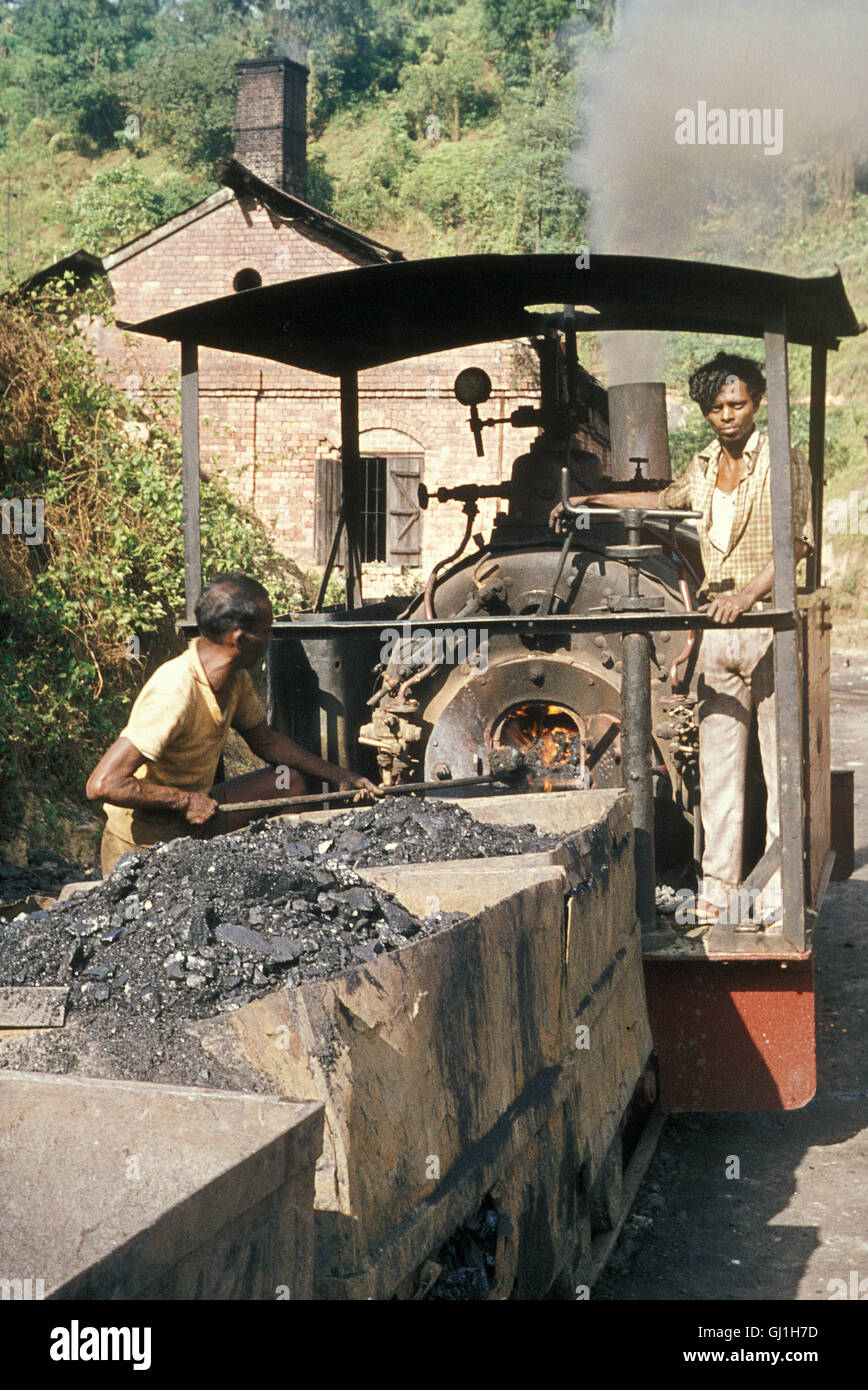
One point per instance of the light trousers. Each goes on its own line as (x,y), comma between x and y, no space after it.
(736,676)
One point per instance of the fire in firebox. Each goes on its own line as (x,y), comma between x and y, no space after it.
(560,748)
(549,738)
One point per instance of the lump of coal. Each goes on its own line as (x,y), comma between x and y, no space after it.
(284,948)
(242,937)
(358,899)
(398,918)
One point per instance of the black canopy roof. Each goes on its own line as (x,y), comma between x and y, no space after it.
(352,319)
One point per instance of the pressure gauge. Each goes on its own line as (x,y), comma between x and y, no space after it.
(472,386)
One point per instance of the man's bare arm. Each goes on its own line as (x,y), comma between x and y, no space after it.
(280,751)
(725,608)
(607,499)
(112,780)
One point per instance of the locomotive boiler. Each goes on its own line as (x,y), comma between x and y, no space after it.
(446,700)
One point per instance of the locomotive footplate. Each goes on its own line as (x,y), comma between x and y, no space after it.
(732,1019)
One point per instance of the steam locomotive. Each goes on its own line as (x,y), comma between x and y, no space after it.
(582,654)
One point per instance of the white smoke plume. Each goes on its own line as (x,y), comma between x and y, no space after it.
(801,59)
(295,49)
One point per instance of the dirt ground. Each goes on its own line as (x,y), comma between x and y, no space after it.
(794,1221)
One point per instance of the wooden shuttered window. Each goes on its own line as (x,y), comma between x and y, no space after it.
(327,506)
(391,522)
(405,518)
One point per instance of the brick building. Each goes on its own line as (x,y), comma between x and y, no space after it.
(274,431)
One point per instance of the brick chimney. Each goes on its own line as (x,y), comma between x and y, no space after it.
(271,121)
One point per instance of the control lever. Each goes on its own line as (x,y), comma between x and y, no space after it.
(637,515)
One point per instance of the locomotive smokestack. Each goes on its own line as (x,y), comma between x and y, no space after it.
(639,429)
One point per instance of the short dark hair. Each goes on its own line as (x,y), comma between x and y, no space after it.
(709,379)
(229,601)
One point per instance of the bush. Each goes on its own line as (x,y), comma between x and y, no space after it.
(121,203)
(370,196)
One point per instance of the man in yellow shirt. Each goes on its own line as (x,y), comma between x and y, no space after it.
(157,778)
(729,482)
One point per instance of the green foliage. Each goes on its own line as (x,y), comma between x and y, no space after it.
(519,30)
(351,53)
(185,99)
(845,437)
(120,203)
(498,188)
(687,441)
(447,83)
(320,184)
(110,566)
(70,51)
(89,63)
(369,194)
(451,186)
(542,211)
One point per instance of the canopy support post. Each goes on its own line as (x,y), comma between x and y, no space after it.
(351,501)
(786,643)
(190,474)
(817,430)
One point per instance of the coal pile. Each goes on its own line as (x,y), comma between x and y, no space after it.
(407,830)
(197,928)
(190,930)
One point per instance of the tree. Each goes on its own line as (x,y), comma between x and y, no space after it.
(546,212)
(519,28)
(346,54)
(120,204)
(75,47)
(185,98)
(447,80)
(518,31)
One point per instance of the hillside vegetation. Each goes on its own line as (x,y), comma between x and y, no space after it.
(444,124)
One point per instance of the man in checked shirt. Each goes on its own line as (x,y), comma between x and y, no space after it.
(729,483)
